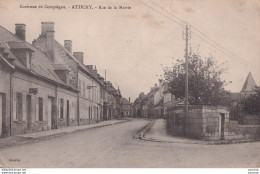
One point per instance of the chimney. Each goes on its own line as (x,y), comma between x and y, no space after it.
(68,45)
(95,71)
(48,32)
(20,31)
(47,27)
(79,56)
(155,86)
(90,67)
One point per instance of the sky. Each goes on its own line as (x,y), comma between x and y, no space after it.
(132,45)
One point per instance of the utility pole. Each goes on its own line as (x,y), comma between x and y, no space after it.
(187,37)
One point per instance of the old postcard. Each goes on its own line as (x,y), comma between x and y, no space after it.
(129,84)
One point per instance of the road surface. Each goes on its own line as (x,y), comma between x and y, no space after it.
(114,146)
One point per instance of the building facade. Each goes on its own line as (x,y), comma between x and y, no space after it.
(126,107)
(47,86)
(35,88)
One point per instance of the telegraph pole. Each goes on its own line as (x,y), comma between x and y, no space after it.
(187,37)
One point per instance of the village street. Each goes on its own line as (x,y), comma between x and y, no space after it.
(114,146)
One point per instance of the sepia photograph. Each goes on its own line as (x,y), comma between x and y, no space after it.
(129,84)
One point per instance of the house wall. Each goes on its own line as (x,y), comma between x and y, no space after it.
(126,109)
(89,99)
(5,101)
(21,85)
(71,113)
(158,95)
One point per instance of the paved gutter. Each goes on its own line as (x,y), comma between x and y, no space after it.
(43,135)
(148,133)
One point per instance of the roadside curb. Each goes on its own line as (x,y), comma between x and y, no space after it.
(27,140)
(202,143)
(141,135)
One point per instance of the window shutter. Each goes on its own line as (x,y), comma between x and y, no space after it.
(37,109)
(58,107)
(24,103)
(65,110)
(43,110)
(14,107)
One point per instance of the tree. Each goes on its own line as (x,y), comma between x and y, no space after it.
(205,84)
(251,104)
(246,106)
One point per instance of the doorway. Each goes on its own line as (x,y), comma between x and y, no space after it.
(29,112)
(68,113)
(222,127)
(3,131)
(51,115)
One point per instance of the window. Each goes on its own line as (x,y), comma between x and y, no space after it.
(90,112)
(84,90)
(19,107)
(61,108)
(40,100)
(89,95)
(79,86)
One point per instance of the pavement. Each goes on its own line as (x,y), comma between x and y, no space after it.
(157,132)
(114,146)
(35,136)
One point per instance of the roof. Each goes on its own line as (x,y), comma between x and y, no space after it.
(6,62)
(60,67)
(81,65)
(160,103)
(124,101)
(235,96)
(18,45)
(249,83)
(41,65)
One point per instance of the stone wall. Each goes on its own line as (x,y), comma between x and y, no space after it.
(204,122)
(237,131)
(251,120)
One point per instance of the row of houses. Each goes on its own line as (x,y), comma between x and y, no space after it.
(154,104)
(44,85)
(158,100)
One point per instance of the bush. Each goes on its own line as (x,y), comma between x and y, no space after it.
(251,104)
(237,113)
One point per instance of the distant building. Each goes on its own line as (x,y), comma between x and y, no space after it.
(152,104)
(126,107)
(248,87)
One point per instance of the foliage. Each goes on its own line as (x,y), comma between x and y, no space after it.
(251,104)
(237,113)
(248,105)
(205,85)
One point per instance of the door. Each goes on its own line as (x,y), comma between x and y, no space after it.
(51,116)
(49,112)
(222,126)
(29,112)
(97,115)
(1,115)
(68,112)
